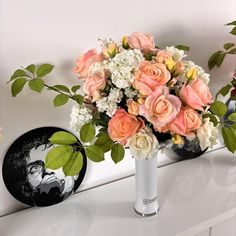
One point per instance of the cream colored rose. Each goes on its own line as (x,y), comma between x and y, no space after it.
(207,134)
(143,144)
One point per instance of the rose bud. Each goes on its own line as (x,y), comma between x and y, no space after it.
(191,74)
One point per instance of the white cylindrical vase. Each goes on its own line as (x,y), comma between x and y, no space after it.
(146,203)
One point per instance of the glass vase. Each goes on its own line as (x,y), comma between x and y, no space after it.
(146,186)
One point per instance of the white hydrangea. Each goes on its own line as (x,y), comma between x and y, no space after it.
(207,134)
(104,105)
(115,95)
(123,66)
(80,115)
(200,72)
(130,93)
(97,67)
(109,104)
(176,53)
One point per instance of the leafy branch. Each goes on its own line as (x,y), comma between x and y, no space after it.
(34,77)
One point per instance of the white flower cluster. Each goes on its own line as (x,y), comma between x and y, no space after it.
(130,93)
(97,67)
(123,66)
(109,104)
(207,134)
(80,115)
(175,53)
(200,72)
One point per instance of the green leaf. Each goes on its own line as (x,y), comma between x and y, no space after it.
(213,119)
(233,126)
(31,68)
(117,153)
(17,74)
(17,86)
(233,98)
(232,23)
(60,100)
(63,137)
(220,59)
(87,132)
(75,88)
(225,90)
(79,99)
(44,70)
(36,85)
(183,47)
(228,45)
(233,31)
(232,51)
(60,87)
(94,153)
(218,108)
(104,142)
(74,165)
(229,138)
(58,157)
(213,60)
(232,117)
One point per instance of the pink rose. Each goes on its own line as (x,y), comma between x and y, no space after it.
(122,126)
(160,107)
(150,76)
(187,121)
(162,56)
(196,94)
(93,85)
(142,41)
(133,107)
(86,60)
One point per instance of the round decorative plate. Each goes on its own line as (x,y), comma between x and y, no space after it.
(26,177)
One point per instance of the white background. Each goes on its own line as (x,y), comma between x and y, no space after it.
(58,31)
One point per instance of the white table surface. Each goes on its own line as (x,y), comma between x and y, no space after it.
(193,196)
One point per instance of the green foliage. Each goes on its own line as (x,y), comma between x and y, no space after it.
(232,117)
(232,23)
(229,136)
(220,59)
(60,87)
(218,108)
(117,153)
(78,98)
(31,68)
(227,46)
(213,60)
(75,88)
(183,47)
(63,137)
(36,85)
(225,90)
(58,156)
(17,86)
(94,153)
(43,70)
(212,118)
(87,132)
(233,31)
(104,142)
(74,165)
(60,100)
(232,51)
(18,73)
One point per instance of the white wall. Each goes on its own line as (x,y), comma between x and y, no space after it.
(58,31)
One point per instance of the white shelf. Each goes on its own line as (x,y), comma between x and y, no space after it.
(194,195)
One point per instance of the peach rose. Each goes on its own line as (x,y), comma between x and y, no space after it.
(150,76)
(93,85)
(162,56)
(142,41)
(160,107)
(86,60)
(196,94)
(186,122)
(122,126)
(133,107)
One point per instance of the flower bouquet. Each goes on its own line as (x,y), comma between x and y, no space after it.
(133,93)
